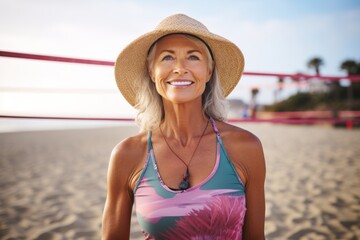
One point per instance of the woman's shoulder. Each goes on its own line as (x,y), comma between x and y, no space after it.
(130,152)
(244,150)
(236,134)
(131,146)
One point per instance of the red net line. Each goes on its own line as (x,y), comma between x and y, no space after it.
(109,63)
(59,90)
(54,58)
(232,120)
(115,91)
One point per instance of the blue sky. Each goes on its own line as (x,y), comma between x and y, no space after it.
(275,36)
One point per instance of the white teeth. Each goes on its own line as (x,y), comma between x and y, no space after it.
(180,83)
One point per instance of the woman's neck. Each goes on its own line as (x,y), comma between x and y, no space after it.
(183,121)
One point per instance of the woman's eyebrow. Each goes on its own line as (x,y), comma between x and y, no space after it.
(173,52)
(196,51)
(169,51)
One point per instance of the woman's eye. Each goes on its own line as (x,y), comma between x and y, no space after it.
(193,57)
(167,58)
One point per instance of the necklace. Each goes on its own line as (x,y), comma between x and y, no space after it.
(184,184)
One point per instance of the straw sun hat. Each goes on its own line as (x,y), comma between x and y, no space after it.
(130,66)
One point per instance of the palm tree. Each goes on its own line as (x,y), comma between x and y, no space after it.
(280,83)
(298,78)
(279,89)
(315,63)
(253,105)
(254,93)
(350,66)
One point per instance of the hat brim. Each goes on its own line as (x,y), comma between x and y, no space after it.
(130,66)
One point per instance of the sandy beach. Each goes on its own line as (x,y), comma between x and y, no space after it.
(53,183)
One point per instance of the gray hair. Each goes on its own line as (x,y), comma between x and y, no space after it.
(149,103)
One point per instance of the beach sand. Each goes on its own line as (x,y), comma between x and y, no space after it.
(53,183)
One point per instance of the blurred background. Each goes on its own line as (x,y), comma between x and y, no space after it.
(300,94)
(277,37)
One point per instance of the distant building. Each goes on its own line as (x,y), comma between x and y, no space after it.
(238,109)
(318,86)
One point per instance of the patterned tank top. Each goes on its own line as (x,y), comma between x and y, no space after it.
(213,209)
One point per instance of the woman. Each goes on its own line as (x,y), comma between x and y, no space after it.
(189,174)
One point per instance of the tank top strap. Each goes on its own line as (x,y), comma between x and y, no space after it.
(149,142)
(215,129)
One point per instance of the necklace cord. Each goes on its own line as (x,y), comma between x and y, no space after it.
(187,165)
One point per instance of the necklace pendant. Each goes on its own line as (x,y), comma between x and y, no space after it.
(184,184)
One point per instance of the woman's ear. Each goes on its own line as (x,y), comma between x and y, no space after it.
(151,75)
(211,70)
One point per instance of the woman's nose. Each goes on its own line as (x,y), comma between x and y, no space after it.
(180,67)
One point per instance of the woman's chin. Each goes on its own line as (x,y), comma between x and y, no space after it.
(183,99)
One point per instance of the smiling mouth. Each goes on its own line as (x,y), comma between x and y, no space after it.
(180,83)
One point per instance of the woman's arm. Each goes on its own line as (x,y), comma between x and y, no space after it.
(246,153)
(255,196)
(118,207)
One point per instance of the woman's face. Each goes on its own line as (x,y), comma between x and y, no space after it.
(180,68)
